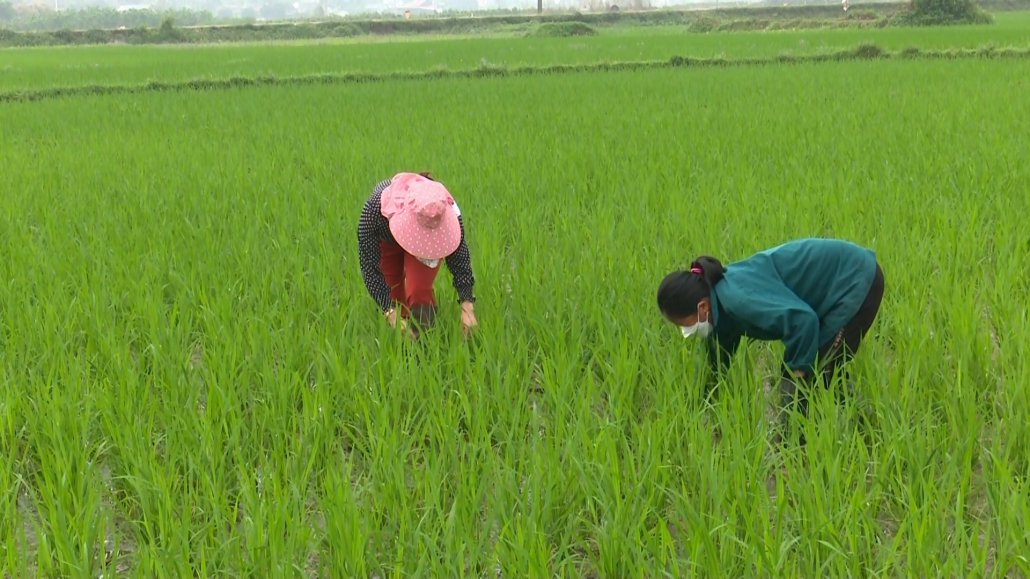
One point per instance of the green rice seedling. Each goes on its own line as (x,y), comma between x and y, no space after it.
(14,547)
(71,521)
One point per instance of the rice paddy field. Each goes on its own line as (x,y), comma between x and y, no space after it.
(196,383)
(33,68)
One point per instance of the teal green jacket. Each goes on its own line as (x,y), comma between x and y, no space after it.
(802,292)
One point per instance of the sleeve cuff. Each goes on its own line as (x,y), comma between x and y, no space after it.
(806,368)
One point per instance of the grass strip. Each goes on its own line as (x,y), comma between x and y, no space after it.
(861,52)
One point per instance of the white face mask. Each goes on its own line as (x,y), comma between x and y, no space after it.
(699,329)
(430,262)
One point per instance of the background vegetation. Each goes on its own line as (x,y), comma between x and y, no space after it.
(105,25)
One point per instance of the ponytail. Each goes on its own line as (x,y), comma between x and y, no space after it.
(709,268)
(681,291)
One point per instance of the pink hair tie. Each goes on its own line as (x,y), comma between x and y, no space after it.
(696,270)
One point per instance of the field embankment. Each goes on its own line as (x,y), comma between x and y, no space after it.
(861,52)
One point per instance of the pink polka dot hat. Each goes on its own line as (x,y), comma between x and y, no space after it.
(422,215)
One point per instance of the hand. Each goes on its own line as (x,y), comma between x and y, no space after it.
(799,373)
(391,318)
(468,318)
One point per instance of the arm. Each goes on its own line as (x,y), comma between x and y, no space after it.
(720,353)
(369,230)
(460,265)
(777,311)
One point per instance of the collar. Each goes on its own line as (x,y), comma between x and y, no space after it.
(714,299)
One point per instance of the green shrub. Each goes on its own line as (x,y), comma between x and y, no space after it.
(95,36)
(867,50)
(798,24)
(63,36)
(942,12)
(860,14)
(703,24)
(743,25)
(299,32)
(168,32)
(344,29)
(910,52)
(563,30)
(139,35)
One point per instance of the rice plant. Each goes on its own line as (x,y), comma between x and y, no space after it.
(197,384)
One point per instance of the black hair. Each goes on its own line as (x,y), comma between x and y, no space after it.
(426,175)
(681,291)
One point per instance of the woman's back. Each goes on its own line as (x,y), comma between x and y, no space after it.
(831,276)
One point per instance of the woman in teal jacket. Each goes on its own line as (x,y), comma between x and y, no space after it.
(819,296)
